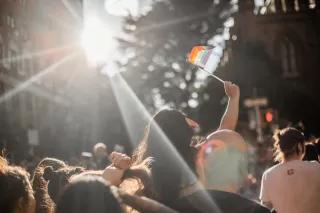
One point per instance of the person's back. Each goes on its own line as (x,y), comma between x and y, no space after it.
(293,186)
(225,202)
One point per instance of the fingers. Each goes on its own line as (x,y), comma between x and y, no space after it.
(120,160)
(229,84)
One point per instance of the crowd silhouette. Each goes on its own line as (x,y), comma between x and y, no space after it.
(171,171)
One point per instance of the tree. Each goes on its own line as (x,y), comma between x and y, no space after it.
(155,55)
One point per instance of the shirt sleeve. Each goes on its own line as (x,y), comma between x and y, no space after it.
(264,189)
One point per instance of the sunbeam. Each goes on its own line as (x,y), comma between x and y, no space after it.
(71,9)
(37,53)
(35,90)
(26,84)
(134,115)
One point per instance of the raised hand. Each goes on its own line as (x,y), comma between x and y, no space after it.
(232,90)
(121,161)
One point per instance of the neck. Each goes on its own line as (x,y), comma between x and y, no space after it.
(292,158)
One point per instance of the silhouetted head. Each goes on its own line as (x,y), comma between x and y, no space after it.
(168,135)
(16,194)
(222,161)
(178,130)
(57,179)
(88,194)
(311,153)
(44,203)
(289,142)
(100,150)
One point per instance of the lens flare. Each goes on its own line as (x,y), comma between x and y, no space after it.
(97,40)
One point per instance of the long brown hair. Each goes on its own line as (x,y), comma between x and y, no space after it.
(167,171)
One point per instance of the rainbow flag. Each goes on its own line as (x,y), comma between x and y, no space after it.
(203,57)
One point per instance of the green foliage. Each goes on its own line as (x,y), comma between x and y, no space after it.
(156,47)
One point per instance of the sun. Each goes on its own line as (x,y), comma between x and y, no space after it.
(97,40)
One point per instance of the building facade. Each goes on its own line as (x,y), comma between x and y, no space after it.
(35,37)
(274,53)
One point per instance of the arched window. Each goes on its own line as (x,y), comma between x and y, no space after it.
(288,57)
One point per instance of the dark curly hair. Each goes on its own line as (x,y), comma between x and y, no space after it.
(57,179)
(44,203)
(14,184)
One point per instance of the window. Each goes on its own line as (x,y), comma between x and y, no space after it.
(13,23)
(13,61)
(288,58)
(6,57)
(8,20)
(1,49)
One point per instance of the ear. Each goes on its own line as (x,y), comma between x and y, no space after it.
(192,123)
(302,150)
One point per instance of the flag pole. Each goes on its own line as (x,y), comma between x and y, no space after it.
(216,77)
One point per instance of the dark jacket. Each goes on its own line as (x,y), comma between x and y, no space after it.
(217,201)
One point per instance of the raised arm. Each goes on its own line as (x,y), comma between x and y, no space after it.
(230,118)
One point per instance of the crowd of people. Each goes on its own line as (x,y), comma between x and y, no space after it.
(171,171)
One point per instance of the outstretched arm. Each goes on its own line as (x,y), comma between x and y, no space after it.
(230,118)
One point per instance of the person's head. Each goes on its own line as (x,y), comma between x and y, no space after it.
(311,153)
(53,162)
(57,179)
(16,194)
(100,150)
(44,204)
(222,161)
(88,194)
(289,144)
(177,127)
(168,173)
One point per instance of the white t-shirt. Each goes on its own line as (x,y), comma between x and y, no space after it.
(292,187)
